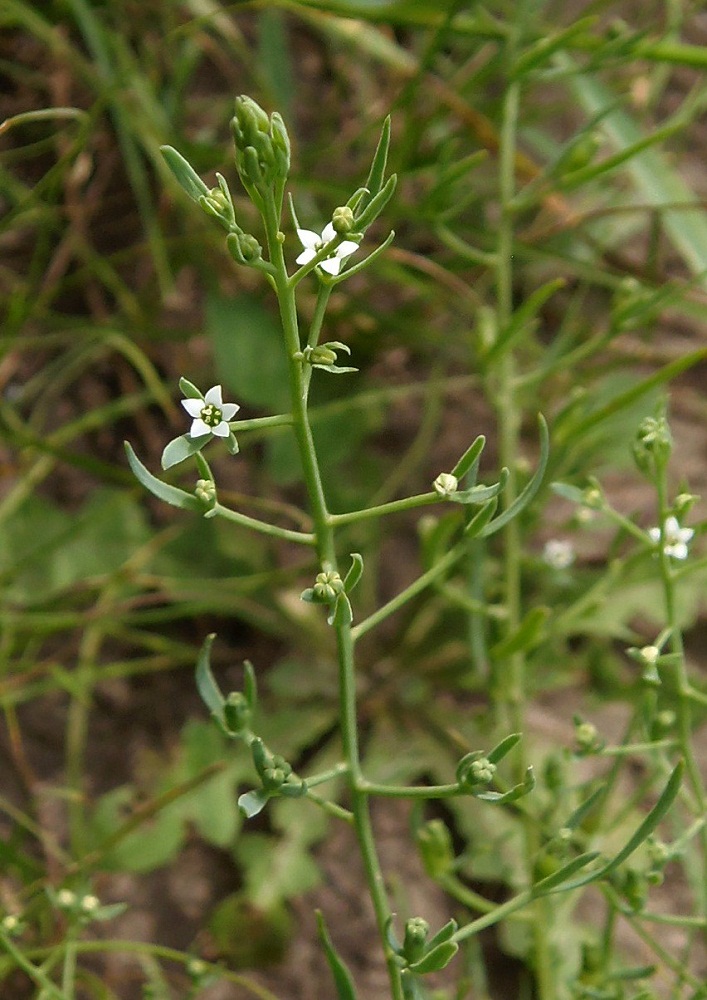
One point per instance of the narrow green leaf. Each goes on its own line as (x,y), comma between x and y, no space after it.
(205,682)
(345,989)
(443,935)
(470,456)
(568,492)
(524,637)
(189,389)
(531,488)
(476,526)
(354,573)
(184,173)
(647,827)
(250,685)
(521,318)
(251,803)
(562,874)
(182,447)
(170,494)
(436,959)
(478,495)
(503,748)
(377,204)
(374,181)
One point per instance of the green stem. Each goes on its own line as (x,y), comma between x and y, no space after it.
(509,677)
(326,550)
(392,507)
(684,690)
(302,537)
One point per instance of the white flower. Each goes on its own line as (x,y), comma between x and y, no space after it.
(210,414)
(558,554)
(313,243)
(675,538)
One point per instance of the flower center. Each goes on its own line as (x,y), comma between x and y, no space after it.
(211,415)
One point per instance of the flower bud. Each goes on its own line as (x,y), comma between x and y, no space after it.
(205,490)
(653,444)
(342,220)
(237,712)
(320,355)
(416,931)
(473,770)
(327,587)
(445,484)
(262,149)
(435,844)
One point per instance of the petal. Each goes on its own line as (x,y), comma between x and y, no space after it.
(307,238)
(221,430)
(214,396)
(332,265)
(199,428)
(328,233)
(193,406)
(305,257)
(346,248)
(654,534)
(685,534)
(229,410)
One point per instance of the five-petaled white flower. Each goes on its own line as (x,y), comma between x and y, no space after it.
(558,553)
(675,538)
(210,414)
(313,243)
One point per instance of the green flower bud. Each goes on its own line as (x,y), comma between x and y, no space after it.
(262,149)
(237,712)
(416,931)
(587,736)
(244,248)
(474,770)
(205,490)
(435,844)
(653,444)
(342,220)
(327,587)
(445,484)
(320,355)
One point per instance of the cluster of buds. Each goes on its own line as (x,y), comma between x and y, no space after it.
(324,356)
(262,150)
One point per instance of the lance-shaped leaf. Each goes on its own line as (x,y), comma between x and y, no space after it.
(182,447)
(354,573)
(163,491)
(518,791)
(436,958)
(531,487)
(522,317)
(645,829)
(374,181)
(563,874)
(480,494)
(206,683)
(470,457)
(525,636)
(251,803)
(568,492)
(377,204)
(184,173)
(345,989)
(477,524)
(503,748)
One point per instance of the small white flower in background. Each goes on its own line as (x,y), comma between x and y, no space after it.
(558,554)
(675,538)
(313,243)
(210,415)
(90,903)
